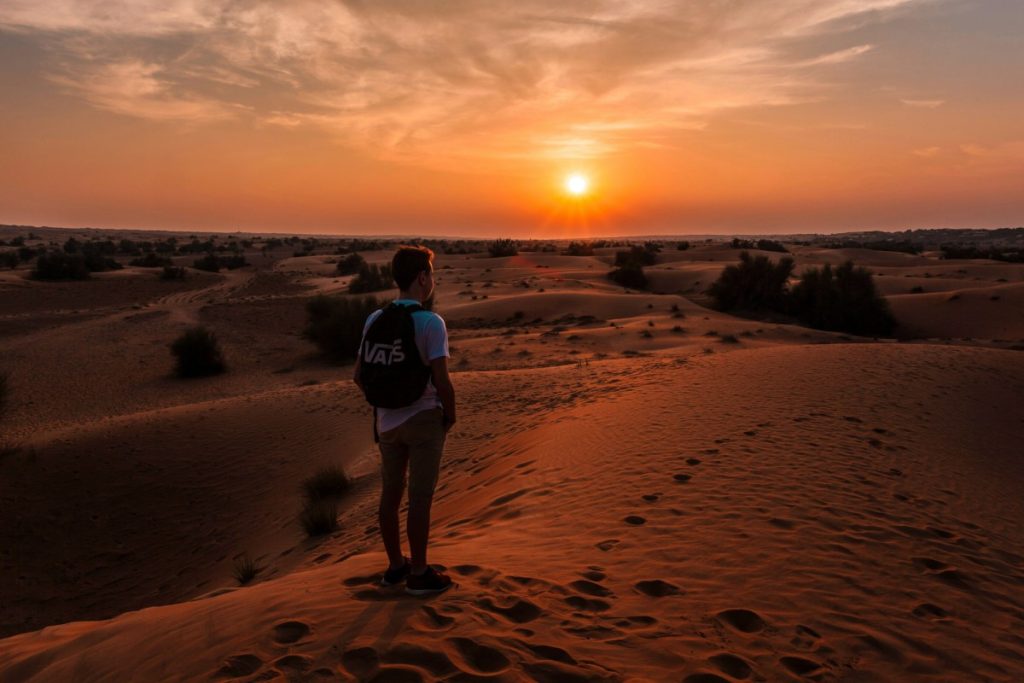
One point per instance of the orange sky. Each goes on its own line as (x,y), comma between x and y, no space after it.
(464,117)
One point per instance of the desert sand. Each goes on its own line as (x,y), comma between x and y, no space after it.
(640,488)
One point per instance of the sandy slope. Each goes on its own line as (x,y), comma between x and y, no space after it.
(839,512)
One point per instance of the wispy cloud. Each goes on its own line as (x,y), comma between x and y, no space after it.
(925,104)
(448,80)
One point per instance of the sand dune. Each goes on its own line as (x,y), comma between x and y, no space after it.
(742,519)
(639,487)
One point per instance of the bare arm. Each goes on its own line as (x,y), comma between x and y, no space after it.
(445,390)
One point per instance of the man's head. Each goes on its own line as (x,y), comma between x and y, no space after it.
(413,270)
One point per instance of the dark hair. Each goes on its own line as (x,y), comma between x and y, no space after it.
(408,263)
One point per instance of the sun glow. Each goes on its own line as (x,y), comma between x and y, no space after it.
(577,184)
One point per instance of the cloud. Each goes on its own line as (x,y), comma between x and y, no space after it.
(926,104)
(448,80)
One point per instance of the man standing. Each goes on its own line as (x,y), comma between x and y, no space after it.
(402,368)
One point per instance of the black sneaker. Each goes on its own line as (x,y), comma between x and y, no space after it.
(395,576)
(427,583)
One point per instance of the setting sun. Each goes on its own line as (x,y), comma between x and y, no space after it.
(577,184)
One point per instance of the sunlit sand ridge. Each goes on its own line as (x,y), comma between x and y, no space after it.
(639,487)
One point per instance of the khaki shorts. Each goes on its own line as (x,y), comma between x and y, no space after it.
(415,444)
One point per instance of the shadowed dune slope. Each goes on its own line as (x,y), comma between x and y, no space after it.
(841,512)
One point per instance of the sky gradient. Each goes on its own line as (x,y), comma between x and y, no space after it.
(465,116)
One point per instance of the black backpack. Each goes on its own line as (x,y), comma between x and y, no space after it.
(391,371)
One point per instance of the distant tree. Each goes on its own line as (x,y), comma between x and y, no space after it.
(630,275)
(150,260)
(351,264)
(683,246)
(172,273)
(772,245)
(58,265)
(502,247)
(579,249)
(209,263)
(637,255)
(198,353)
(335,324)
(755,283)
(843,299)
(371,278)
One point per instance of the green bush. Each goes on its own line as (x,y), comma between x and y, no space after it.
(502,247)
(328,482)
(172,273)
(209,263)
(57,265)
(319,517)
(371,278)
(198,354)
(351,264)
(579,249)
(843,299)
(335,324)
(630,275)
(754,284)
(245,569)
(150,260)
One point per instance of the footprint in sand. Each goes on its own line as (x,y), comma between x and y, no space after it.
(651,497)
(288,632)
(682,478)
(743,620)
(800,666)
(434,661)
(240,665)
(594,574)
(605,546)
(704,677)
(361,661)
(478,657)
(806,638)
(590,588)
(432,620)
(656,588)
(731,665)
(293,665)
(931,612)
(693,461)
(635,520)
(518,611)
(587,604)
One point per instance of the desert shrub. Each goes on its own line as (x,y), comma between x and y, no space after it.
(579,249)
(630,275)
(637,255)
(754,283)
(335,324)
(150,260)
(319,517)
(209,263)
(96,262)
(198,354)
(28,253)
(683,246)
(843,299)
(172,273)
(351,264)
(245,569)
(233,261)
(329,482)
(56,265)
(371,278)
(502,247)
(9,259)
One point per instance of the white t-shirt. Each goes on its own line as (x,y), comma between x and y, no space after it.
(432,342)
